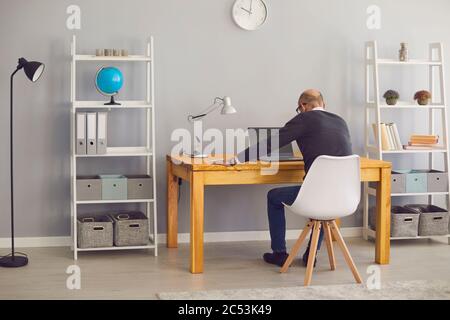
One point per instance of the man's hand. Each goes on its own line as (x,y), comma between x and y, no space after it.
(230,162)
(233,161)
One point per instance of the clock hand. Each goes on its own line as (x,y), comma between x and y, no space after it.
(251,6)
(249,12)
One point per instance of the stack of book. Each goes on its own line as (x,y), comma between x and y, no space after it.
(390,139)
(417,142)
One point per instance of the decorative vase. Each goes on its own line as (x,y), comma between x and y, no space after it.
(423,102)
(391,101)
(403,52)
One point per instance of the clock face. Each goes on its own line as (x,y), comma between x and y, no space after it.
(249,14)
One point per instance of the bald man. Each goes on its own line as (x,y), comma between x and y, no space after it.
(317,132)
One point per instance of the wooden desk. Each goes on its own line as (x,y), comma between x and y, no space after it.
(201,173)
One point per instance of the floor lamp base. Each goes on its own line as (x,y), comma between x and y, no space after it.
(13,262)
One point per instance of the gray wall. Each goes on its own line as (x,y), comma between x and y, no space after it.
(200,54)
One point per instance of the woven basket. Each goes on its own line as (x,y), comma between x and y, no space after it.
(94,231)
(130,229)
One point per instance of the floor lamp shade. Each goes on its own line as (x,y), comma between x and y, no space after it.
(33,71)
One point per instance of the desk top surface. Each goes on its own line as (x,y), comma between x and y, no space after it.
(210,164)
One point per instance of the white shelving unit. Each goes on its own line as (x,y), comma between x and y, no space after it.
(376,106)
(146,151)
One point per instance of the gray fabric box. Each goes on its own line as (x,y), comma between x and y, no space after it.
(139,186)
(433,220)
(398,182)
(89,188)
(416,180)
(437,181)
(404,221)
(130,229)
(94,231)
(114,187)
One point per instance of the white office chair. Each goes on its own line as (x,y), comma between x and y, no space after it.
(331,190)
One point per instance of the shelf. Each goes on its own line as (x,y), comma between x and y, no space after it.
(372,192)
(145,106)
(420,237)
(418,194)
(120,152)
(150,246)
(88,57)
(405,105)
(136,104)
(414,151)
(116,201)
(372,233)
(409,62)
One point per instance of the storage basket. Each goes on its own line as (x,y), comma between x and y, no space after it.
(404,221)
(94,231)
(433,220)
(130,229)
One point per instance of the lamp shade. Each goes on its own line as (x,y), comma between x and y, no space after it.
(227,106)
(33,69)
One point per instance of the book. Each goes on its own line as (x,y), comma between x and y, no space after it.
(397,137)
(422,147)
(392,136)
(424,139)
(384,137)
(425,136)
(421,144)
(375,132)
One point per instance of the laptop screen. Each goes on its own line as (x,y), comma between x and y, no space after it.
(258,134)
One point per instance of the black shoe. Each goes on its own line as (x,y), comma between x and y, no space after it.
(277,258)
(305,258)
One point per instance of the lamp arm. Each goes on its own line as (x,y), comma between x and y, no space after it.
(207,111)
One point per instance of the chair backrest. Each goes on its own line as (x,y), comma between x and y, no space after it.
(332,188)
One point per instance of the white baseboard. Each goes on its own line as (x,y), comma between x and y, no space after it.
(33,242)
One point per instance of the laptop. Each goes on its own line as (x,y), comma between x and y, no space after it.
(285,153)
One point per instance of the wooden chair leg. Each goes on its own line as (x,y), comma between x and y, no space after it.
(297,246)
(312,253)
(329,242)
(338,224)
(347,256)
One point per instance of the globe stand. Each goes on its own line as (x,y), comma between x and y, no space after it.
(112,102)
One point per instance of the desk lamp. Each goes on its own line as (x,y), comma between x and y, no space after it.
(227,108)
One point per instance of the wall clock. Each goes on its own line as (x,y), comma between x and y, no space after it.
(249,14)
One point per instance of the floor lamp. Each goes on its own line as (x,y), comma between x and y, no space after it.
(33,71)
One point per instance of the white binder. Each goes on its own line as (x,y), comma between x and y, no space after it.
(102,127)
(81,133)
(91,132)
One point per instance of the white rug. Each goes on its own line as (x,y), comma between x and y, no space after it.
(402,290)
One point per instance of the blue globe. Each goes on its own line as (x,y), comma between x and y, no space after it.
(109,80)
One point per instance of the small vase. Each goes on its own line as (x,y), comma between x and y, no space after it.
(403,52)
(423,102)
(391,101)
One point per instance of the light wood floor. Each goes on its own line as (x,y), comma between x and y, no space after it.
(139,275)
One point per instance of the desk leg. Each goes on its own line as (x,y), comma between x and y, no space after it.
(172,207)
(197,221)
(383,232)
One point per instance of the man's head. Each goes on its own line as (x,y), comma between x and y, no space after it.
(309,100)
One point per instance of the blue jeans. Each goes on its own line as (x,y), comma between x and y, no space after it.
(277,221)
